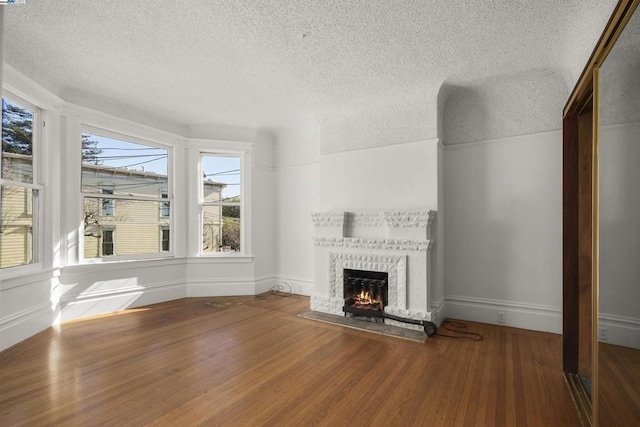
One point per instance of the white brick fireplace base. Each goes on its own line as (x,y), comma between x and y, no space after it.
(393,242)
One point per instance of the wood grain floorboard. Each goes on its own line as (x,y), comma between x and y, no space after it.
(250,361)
(619,376)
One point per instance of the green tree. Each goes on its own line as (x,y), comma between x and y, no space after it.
(231,211)
(17,134)
(17,129)
(231,233)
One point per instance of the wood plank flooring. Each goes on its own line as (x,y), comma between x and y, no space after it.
(250,361)
(619,376)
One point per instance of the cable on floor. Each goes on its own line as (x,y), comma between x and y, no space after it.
(282,291)
(449,325)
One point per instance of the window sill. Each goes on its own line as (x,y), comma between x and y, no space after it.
(221,258)
(100,266)
(104,264)
(25,275)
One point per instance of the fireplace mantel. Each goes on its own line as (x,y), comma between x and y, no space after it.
(395,242)
(382,224)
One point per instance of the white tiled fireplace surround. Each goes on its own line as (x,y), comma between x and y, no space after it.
(395,242)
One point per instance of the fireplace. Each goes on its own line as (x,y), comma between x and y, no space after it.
(396,244)
(365,292)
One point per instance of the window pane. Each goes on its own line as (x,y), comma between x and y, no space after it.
(165,206)
(221,178)
(108,205)
(16,225)
(128,227)
(107,242)
(221,229)
(17,142)
(165,239)
(121,167)
(221,204)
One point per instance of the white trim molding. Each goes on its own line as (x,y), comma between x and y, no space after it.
(78,306)
(297,285)
(23,324)
(520,315)
(620,330)
(383,244)
(438,312)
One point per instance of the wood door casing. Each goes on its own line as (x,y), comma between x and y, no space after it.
(577,237)
(585,241)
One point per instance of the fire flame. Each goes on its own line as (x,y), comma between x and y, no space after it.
(364,300)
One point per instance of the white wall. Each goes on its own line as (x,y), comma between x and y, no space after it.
(619,175)
(502,191)
(26,307)
(390,177)
(88,290)
(398,176)
(503,228)
(619,292)
(264,195)
(298,195)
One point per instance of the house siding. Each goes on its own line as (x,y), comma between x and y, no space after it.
(16,227)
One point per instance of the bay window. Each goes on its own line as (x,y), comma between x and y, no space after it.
(134,175)
(20,188)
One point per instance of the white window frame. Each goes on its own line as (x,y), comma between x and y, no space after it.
(36,186)
(244,153)
(100,131)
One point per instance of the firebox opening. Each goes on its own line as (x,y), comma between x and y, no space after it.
(365,292)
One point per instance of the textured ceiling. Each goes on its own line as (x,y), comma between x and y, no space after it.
(619,82)
(184,64)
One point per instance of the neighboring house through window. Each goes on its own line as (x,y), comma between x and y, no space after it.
(126,190)
(220,203)
(20,189)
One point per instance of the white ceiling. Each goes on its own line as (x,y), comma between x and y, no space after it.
(182,64)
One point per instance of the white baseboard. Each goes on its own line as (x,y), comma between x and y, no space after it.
(519,315)
(221,287)
(620,330)
(298,285)
(23,324)
(94,303)
(231,286)
(248,286)
(264,284)
(438,311)
(74,307)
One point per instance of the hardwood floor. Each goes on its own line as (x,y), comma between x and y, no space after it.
(250,361)
(619,374)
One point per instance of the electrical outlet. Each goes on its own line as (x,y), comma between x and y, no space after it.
(502,317)
(603,334)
